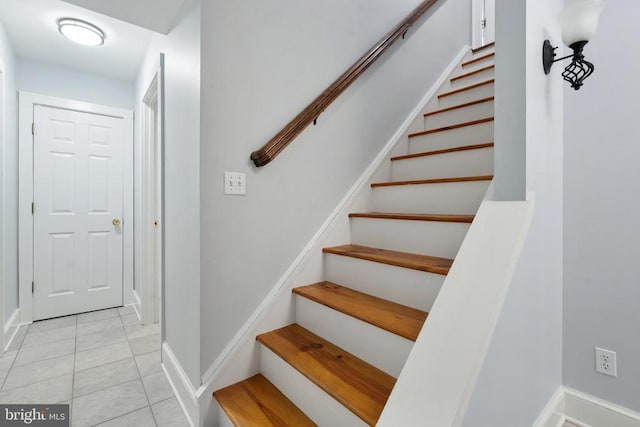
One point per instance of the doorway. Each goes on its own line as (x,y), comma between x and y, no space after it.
(75,206)
(483,22)
(152,201)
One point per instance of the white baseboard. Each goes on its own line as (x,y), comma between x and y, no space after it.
(182,388)
(333,231)
(585,410)
(11,327)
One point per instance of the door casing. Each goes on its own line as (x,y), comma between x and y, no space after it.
(26,102)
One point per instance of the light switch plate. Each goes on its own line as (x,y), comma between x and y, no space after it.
(235,183)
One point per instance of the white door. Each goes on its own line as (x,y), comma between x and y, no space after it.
(484,24)
(78,206)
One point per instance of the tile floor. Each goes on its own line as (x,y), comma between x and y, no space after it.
(104,363)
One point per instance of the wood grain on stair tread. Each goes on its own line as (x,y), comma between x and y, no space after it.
(257,402)
(390,316)
(456,107)
(486,46)
(444,151)
(358,386)
(480,58)
(433,181)
(471,73)
(451,127)
(412,261)
(415,217)
(463,89)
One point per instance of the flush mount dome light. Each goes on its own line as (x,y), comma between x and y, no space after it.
(81,32)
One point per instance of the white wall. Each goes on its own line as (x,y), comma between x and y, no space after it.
(63,82)
(262,63)
(524,364)
(182,185)
(601,235)
(9,182)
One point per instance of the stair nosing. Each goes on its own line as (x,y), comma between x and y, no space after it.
(481,58)
(367,256)
(471,73)
(486,46)
(451,127)
(456,107)
(372,320)
(444,151)
(326,386)
(467,219)
(463,89)
(433,181)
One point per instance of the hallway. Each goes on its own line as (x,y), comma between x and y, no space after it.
(104,363)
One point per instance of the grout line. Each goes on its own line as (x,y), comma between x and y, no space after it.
(73,372)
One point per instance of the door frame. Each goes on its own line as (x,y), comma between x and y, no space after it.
(3,331)
(477,15)
(152,168)
(26,102)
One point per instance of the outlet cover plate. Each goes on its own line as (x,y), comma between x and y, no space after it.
(606,362)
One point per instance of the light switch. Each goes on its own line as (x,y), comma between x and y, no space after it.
(235,183)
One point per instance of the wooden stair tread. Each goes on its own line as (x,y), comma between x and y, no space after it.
(433,181)
(463,89)
(486,46)
(257,402)
(360,387)
(399,259)
(480,58)
(444,151)
(451,127)
(456,107)
(415,217)
(471,73)
(390,316)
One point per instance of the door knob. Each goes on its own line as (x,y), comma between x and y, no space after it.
(116,222)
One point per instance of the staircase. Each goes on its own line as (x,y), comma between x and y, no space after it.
(337,365)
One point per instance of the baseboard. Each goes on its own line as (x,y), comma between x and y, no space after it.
(11,327)
(585,410)
(334,229)
(182,388)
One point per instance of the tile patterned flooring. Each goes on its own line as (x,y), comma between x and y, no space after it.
(104,363)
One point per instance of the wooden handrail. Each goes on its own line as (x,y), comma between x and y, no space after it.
(283,138)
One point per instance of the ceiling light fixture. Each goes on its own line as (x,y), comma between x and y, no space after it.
(81,32)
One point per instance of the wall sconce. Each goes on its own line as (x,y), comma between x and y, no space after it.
(579,21)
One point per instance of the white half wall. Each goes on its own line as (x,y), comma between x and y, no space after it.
(524,364)
(181,47)
(276,57)
(62,82)
(8,181)
(601,188)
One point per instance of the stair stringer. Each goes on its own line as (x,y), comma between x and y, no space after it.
(437,381)
(241,358)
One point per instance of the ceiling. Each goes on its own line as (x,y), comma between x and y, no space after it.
(155,15)
(32,31)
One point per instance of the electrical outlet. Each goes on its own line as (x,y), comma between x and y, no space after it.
(606,362)
(235,183)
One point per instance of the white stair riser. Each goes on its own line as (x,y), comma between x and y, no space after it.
(380,348)
(482,52)
(323,409)
(434,238)
(462,198)
(458,163)
(459,115)
(413,288)
(479,64)
(467,135)
(472,79)
(479,92)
